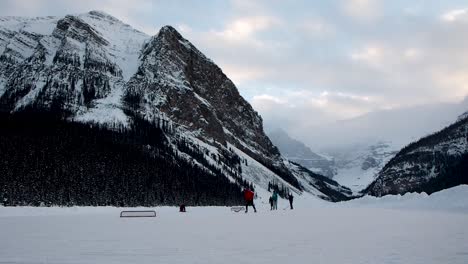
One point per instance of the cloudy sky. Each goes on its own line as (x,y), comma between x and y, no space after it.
(311,62)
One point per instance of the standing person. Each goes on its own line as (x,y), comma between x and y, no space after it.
(291,198)
(271,202)
(249,197)
(275,200)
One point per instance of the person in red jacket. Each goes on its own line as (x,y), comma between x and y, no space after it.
(249,197)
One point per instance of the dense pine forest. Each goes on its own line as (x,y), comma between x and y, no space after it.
(431,164)
(46,160)
(454,173)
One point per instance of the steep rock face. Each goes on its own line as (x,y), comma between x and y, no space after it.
(175,79)
(17,43)
(425,164)
(67,69)
(78,64)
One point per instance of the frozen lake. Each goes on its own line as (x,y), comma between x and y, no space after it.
(320,233)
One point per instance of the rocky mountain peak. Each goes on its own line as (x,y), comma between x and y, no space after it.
(172,44)
(169,31)
(76,28)
(207,100)
(103,15)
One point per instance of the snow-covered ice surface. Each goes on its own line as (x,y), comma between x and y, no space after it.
(454,200)
(315,232)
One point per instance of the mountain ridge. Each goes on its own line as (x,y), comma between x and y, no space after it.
(430,164)
(92,68)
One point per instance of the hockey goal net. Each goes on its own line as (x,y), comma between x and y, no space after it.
(147,213)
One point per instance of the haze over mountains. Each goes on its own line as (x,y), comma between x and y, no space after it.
(357,149)
(399,126)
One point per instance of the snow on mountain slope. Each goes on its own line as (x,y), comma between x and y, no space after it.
(94,68)
(107,110)
(19,35)
(94,44)
(430,164)
(258,174)
(125,41)
(39,25)
(298,152)
(358,166)
(71,67)
(319,185)
(353,166)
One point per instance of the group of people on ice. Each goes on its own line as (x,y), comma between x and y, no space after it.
(249,196)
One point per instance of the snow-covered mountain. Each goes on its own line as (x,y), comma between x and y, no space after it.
(361,146)
(354,166)
(433,163)
(357,166)
(298,152)
(93,68)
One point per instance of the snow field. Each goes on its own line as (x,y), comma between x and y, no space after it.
(353,232)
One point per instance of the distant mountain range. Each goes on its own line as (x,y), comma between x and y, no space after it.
(298,152)
(430,164)
(352,166)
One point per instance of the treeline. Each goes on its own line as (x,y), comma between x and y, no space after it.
(282,172)
(333,190)
(281,190)
(45,160)
(450,169)
(227,162)
(453,173)
(451,132)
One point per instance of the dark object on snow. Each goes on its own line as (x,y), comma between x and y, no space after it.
(271,202)
(249,197)
(182,208)
(291,198)
(148,213)
(237,208)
